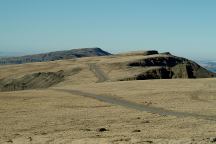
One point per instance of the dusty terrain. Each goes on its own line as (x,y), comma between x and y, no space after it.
(90,105)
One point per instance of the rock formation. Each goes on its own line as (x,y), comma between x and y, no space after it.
(167,66)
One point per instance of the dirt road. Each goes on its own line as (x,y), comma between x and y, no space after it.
(102,77)
(128,104)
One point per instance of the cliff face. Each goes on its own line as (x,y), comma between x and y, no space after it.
(58,55)
(167,66)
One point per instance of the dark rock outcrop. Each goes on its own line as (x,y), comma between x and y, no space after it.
(58,55)
(150,52)
(167,66)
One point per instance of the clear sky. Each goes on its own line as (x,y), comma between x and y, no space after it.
(183,27)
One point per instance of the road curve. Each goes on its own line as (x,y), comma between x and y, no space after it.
(132,105)
(102,77)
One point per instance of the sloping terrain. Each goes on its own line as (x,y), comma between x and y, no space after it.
(167,66)
(38,80)
(58,55)
(82,101)
(123,67)
(32,81)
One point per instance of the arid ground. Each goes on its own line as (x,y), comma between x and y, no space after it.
(90,106)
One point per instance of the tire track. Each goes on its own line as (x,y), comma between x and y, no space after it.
(102,77)
(136,106)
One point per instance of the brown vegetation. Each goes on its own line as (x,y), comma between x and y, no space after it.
(86,102)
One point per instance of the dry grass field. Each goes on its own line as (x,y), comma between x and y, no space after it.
(90,106)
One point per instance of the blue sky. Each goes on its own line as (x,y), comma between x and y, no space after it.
(184,27)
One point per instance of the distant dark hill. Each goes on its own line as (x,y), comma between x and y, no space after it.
(209,65)
(51,56)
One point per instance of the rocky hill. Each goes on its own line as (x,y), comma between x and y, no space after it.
(121,67)
(58,55)
(167,66)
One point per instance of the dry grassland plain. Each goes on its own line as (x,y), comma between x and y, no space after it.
(90,106)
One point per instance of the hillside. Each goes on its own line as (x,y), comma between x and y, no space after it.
(58,55)
(167,66)
(109,99)
(122,67)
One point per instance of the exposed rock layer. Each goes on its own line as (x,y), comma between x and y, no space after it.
(167,66)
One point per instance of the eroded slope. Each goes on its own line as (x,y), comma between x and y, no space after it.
(167,66)
(132,66)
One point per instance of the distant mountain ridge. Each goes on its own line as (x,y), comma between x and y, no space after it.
(52,56)
(210,65)
(144,65)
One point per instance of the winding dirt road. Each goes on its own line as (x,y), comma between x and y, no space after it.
(102,77)
(132,105)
